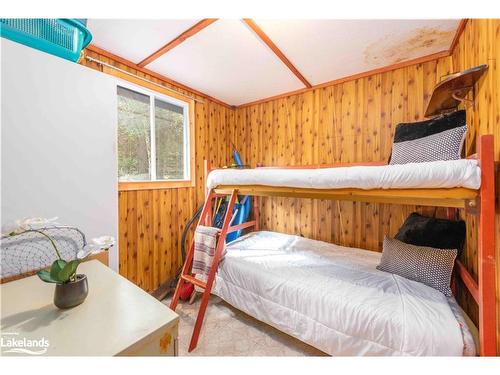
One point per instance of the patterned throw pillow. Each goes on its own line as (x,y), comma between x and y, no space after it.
(446,145)
(430,266)
(441,138)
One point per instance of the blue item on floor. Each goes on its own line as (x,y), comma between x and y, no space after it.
(244,208)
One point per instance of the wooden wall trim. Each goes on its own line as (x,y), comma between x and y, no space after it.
(403,64)
(161,77)
(265,38)
(193,30)
(385,69)
(149,85)
(458,33)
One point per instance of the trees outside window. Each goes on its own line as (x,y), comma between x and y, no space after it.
(153,137)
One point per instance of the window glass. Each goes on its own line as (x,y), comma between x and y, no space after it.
(134,135)
(153,137)
(170,141)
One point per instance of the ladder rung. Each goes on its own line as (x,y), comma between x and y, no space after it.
(234,228)
(194,281)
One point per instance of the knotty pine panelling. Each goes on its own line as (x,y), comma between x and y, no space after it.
(348,122)
(151,221)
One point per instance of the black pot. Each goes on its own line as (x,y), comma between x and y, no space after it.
(71,294)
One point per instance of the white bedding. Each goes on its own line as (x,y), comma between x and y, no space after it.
(334,298)
(436,174)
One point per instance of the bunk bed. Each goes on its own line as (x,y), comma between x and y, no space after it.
(336,319)
(480,201)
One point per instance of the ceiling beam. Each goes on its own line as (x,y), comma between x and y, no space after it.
(177,40)
(263,36)
(130,64)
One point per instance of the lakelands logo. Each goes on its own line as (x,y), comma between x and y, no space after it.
(12,343)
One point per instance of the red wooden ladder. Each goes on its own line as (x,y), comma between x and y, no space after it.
(187,277)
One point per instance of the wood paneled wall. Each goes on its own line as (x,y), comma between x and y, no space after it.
(349,122)
(151,221)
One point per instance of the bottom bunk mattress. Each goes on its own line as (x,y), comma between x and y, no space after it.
(334,299)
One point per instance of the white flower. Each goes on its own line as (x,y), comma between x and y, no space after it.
(87,250)
(10,228)
(35,223)
(95,246)
(103,242)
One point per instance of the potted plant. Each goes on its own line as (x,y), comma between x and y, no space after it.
(71,288)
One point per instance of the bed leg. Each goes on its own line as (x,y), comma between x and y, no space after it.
(452,214)
(207,167)
(256,212)
(486,249)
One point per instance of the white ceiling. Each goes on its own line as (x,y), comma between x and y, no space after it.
(135,40)
(324,50)
(228,61)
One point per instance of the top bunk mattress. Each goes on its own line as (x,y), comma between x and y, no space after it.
(437,174)
(334,298)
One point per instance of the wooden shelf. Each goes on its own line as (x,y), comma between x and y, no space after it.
(449,93)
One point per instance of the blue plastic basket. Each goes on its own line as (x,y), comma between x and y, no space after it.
(65,38)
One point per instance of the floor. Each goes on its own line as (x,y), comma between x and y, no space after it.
(229,332)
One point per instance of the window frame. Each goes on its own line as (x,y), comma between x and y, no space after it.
(167,96)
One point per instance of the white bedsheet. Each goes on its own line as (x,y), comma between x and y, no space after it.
(334,298)
(437,174)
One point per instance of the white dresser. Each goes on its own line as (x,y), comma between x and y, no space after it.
(117,318)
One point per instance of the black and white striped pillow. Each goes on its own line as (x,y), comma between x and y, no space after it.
(430,266)
(437,139)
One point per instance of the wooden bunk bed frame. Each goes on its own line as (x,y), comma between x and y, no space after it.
(479,202)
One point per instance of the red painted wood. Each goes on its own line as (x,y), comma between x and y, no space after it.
(486,249)
(468,280)
(234,228)
(451,213)
(189,257)
(256,207)
(256,212)
(207,169)
(193,280)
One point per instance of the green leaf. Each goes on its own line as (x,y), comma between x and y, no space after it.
(56,268)
(45,276)
(69,270)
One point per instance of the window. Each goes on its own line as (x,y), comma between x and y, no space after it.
(153,137)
